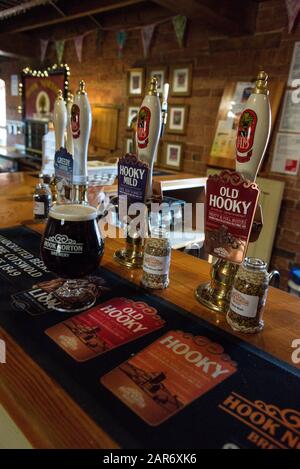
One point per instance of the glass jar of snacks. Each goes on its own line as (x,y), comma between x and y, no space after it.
(157,257)
(248,296)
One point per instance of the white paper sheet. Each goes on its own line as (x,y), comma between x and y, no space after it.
(290,114)
(286,154)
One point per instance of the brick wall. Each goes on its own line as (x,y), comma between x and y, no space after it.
(215,59)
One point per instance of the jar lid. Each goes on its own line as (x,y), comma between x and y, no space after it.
(254,263)
(160,231)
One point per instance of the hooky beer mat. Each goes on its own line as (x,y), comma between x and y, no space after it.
(151,374)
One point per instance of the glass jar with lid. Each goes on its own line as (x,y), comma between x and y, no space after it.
(248,296)
(157,257)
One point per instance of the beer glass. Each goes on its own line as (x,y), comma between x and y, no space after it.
(72,247)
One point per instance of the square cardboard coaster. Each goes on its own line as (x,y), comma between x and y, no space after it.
(169,374)
(105,327)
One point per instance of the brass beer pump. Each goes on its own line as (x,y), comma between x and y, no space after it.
(131,255)
(215,294)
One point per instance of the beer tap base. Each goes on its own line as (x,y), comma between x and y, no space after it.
(207,298)
(124,258)
(132,255)
(80,193)
(215,294)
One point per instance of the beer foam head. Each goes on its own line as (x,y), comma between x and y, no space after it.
(73,212)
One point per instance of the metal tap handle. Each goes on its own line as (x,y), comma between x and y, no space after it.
(81,121)
(276,275)
(59,120)
(164,108)
(69,136)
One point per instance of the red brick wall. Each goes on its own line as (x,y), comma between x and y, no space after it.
(215,59)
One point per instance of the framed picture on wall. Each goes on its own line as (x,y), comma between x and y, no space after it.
(39,91)
(131,113)
(135,82)
(177,119)
(172,155)
(181,80)
(160,73)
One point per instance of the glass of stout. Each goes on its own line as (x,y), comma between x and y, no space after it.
(72,247)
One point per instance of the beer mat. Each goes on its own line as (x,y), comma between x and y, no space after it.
(169,374)
(105,327)
(256,406)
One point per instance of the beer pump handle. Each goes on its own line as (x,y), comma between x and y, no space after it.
(81,121)
(164,108)
(59,120)
(165,94)
(254,129)
(149,129)
(252,140)
(69,136)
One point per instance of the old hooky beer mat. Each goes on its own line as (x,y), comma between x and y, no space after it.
(230,207)
(105,327)
(169,374)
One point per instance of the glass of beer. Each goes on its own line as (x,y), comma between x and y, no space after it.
(71,248)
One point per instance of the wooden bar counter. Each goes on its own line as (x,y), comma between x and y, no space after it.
(43,411)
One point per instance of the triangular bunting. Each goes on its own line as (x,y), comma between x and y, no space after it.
(147,33)
(78,42)
(179,24)
(60,46)
(293,8)
(121,39)
(44,44)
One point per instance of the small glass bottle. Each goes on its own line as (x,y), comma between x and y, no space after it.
(42,201)
(53,189)
(157,257)
(248,296)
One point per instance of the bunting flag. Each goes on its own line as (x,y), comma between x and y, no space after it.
(121,39)
(179,24)
(293,8)
(147,33)
(78,42)
(44,44)
(99,38)
(60,46)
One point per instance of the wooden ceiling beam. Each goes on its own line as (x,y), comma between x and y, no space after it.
(131,17)
(228,16)
(40,18)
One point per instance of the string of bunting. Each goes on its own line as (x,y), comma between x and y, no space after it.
(293,9)
(179,24)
